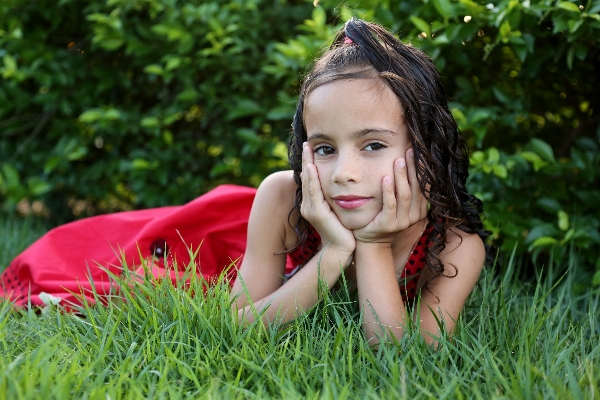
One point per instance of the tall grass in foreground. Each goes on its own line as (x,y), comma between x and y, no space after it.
(157,341)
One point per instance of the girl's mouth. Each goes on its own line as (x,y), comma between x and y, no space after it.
(351,202)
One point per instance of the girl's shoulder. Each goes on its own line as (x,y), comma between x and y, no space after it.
(274,201)
(464,250)
(279,185)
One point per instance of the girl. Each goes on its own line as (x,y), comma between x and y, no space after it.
(373,143)
(376,193)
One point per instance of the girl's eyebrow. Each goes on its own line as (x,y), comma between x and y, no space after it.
(355,135)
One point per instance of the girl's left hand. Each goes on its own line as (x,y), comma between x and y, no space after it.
(403,204)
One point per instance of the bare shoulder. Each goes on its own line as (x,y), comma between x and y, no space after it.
(279,186)
(275,195)
(273,203)
(465,251)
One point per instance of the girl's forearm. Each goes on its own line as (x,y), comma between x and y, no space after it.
(378,291)
(300,293)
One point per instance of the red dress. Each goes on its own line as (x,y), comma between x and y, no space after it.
(64,261)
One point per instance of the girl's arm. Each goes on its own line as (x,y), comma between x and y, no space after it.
(379,295)
(444,299)
(260,277)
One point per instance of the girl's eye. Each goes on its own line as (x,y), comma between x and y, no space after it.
(324,150)
(374,146)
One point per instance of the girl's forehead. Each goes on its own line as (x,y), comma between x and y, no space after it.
(353,105)
(363,92)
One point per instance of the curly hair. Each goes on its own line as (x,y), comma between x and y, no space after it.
(365,50)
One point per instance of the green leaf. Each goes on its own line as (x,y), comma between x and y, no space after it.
(477,157)
(574,24)
(112,114)
(505,29)
(596,279)
(249,135)
(543,149)
(38,187)
(11,175)
(140,163)
(500,171)
(281,112)
(244,108)
(549,204)
(90,116)
(10,65)
(534,159)
(77,154)
(568,236)
(421,25)
(452,31)
(563,220)
(154,69)
(543,241)
(150,122)
(444,7)
(521,52)
(493,156)
(173,63)
(319,16)
(567,5)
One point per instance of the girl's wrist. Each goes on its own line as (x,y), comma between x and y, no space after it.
(343,249)
(342,246)
(343,254)
(373,246)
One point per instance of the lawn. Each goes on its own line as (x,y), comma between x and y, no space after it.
(516,339)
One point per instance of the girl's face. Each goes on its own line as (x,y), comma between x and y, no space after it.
(356,129)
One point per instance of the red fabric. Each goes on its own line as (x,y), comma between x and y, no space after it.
(64,261)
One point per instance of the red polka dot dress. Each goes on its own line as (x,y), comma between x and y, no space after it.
(407,281)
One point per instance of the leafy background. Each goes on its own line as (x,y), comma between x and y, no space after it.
(124,104)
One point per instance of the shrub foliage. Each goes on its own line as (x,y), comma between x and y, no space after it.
(137,103)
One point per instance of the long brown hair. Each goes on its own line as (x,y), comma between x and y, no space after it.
(365,50)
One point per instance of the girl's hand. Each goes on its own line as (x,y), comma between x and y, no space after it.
(403,204)
(316,210)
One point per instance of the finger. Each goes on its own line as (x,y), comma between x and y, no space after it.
(403,191)
(388,212)
(305,176)
(412,170)
(314,184)
(417,198)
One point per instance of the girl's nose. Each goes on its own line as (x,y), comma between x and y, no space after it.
(347,169)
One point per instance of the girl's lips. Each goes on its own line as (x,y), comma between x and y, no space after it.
(351,202)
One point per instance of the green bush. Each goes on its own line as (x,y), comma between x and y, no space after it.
(137,103)
(520,77)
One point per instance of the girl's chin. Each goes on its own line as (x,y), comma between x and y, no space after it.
(356,222)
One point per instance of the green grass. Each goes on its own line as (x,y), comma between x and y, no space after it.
(16,234)
(515,340)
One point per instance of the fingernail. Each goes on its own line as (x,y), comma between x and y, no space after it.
(411,153)
(401,162)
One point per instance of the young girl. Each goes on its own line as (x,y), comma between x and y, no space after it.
(376,193)
(373,143)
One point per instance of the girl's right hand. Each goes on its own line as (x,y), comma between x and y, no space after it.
(316,210)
